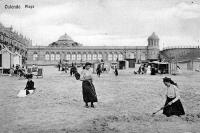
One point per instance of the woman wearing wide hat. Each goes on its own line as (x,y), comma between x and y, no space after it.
(173,105)
(88,89)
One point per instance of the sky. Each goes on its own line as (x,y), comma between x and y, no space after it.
(106,22)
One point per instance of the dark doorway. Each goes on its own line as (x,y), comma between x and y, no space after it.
(122,64)
(131,63)
(0,60)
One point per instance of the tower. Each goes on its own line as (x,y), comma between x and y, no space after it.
(153,47)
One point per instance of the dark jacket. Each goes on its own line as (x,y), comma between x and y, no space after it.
(30,85)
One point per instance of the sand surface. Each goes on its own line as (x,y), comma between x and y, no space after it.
(125,104)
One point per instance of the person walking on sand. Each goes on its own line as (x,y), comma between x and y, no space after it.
(88,89)
(173,105)
(99,70)
(116,71)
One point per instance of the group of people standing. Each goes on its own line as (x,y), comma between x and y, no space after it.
(146,69)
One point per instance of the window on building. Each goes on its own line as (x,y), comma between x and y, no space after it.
(46,56)
(79,57)
(84,57)
(67,56)
(115,57)
(89,57)
(94,57)
(73,57)
(35,56)
(110,57)
(143,56)
(99,56)
(52,56)
(132,56)
(57,56)
(120,57)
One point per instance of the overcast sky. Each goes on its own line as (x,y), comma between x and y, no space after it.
(106,22)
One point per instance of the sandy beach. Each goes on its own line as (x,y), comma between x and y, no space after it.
(126,104)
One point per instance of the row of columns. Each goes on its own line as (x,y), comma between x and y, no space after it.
(105,56)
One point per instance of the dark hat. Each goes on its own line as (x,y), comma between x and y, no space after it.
(29,76)
(88,64)
(166,79)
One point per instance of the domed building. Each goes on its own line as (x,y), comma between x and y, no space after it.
(65,41)
(65,49)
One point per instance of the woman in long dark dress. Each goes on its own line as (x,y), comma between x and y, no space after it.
(88,89)
(173,105)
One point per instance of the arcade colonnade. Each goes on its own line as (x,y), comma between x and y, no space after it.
(42,56)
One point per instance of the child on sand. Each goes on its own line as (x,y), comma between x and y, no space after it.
(29,85)
(173,105)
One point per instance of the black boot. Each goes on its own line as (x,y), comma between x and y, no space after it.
(86,105)
(92,105)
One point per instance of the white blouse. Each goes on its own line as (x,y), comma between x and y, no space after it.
(173,91)
(86,74)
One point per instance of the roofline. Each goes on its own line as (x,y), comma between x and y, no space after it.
(87,47)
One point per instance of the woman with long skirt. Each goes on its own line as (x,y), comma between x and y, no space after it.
(88,89)
(173,105)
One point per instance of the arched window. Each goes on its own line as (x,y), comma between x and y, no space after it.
(94,57)
(47,56)
(100,56)
(84,57)
(35,56)
(110,57)
(57,56)
(143,56)
(78,56)
(115,57)
(120,57)
(68,56)
(52,56)
(89,57)
(132,56)
(73,57)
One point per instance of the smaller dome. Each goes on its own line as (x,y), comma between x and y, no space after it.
(153,36)
(64,37)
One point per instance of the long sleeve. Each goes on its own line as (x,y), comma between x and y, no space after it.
(177,94)
(86,75)
(30,85)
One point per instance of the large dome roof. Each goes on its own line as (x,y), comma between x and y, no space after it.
(64,37)
(153,36)
(65,41)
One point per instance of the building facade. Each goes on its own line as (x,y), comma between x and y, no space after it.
(13,47)
(72,52)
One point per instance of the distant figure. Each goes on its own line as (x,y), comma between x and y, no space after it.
(58,67)
(149,70)
(173,105)
(116,71)
(29,85)
(98,70)
(88,89)
(153,70)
